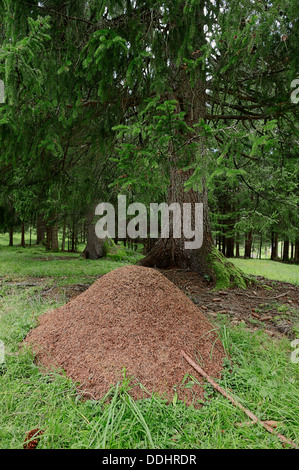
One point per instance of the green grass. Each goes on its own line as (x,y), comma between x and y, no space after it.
(258,372)
(63,268)
(269,269)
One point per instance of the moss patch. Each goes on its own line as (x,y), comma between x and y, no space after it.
(226,273)
(113,251)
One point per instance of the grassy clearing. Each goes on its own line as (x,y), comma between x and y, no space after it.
(269,269)
(63,268)
(258,371)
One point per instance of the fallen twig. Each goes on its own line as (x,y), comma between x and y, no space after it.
(273,424)
(223,392)
(20,284)
(263,298)
(280,295)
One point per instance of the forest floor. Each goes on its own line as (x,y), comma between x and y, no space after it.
(272,306)
(256,326)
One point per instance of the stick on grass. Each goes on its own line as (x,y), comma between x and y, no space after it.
(223,392)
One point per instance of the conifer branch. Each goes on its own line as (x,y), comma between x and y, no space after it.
(216,117)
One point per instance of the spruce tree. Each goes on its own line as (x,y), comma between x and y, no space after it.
(210,80)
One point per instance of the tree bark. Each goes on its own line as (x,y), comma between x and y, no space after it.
(261,245)
(94,246)
(285,254)
(49,237)
(40,229)
(172,251)
(230,245)
(274,246)
(11,237)
(23,236)
(63,237)
(237,246)
(191,98)
(248,244)
(292,250)
(223,248)
(54,237)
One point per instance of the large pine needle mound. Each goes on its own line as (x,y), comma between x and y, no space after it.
(132,318)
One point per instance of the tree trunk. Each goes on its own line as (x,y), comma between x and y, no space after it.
(223,249)
(11,237)
(261,245)
(274,246)
(230,245)
(296,255)
(191,99)
(237,246)
(219,242)
(54,236)
(94,247)
(40,229)
(49,237)
(23,235)
(292,250)
(248,244)
(73,239)
(171,251)
(63,237)
(285,255)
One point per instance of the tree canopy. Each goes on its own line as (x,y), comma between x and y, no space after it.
(146,96)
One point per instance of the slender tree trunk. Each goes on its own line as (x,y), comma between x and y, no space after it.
(63,237)
(261,245)
(223,249)
(274,246)
(286,246)
(49,237)
(23,244)
(248,244)
(73,238)
(219,242)
(237,246)
(230,245)
(40,229)
(296,256)
(11,237)
(292,250)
